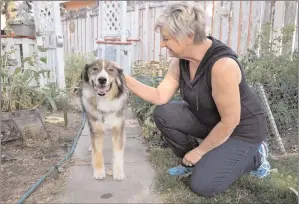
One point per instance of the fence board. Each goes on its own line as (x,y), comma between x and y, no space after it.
(209,14)
(245,26)
(224,22)
(295,36)
(289,18)
(217,18)
(255,22)
(236,23)
(278,21)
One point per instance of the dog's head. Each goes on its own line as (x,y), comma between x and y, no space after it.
(102,75)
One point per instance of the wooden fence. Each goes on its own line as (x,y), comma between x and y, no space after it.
(20,48)
(236,23)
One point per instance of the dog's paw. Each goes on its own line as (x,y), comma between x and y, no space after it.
(118,175)
(99,174)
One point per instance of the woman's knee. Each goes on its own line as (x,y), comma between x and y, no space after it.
(203,186)
(202,190)
(164,113)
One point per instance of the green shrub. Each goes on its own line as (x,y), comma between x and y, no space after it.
(74,64)
(20,88)
(277,73)
(150,74)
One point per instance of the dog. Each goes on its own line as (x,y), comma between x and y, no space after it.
(103,97)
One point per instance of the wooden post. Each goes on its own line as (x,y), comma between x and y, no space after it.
(260,27)
(25,50)
(124,21)
(60,79)
(278,22)
(295,35)
(136,34)
(145,32)
(271,118)
(89,43)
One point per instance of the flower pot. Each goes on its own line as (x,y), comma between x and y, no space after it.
(23,29)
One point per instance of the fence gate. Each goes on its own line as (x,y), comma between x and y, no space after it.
(112,40)
(49,35)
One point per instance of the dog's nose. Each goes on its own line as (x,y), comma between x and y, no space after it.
(102,80)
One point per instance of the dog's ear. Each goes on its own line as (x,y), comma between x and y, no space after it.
(118,81)
(84,74)
(120,70)
(120,77)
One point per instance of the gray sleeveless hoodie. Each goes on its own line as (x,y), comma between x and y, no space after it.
(198,94)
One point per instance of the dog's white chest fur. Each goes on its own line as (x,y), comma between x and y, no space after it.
(111,108)
(106,110)
(106,105)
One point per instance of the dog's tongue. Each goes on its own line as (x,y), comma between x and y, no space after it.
(102,90)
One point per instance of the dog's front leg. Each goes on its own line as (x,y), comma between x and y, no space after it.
(97,139)
(118,140)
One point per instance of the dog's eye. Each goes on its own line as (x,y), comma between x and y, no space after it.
(111,69)
(95,69)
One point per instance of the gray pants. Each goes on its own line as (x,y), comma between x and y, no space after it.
(218,169)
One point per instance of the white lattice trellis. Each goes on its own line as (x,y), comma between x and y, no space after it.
(45,17)
(112,19)
(112,12)
(49,35)
(112,39)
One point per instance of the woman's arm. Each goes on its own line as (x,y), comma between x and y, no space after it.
(164,92)
(226,77)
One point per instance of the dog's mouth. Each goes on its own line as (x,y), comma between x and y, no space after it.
(102,90)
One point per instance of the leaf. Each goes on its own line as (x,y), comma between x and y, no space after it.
(43,59)
(17,70)
(42,71)
(3,74)
(26,59)
(52,102)
(30,63)
(26,75)
(42,49)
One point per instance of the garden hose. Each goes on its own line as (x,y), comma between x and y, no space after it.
(67,156)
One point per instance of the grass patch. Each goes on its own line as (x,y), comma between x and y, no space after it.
(273,189)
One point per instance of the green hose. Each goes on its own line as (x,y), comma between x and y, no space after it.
(39,181)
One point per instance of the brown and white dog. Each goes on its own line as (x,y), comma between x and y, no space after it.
(104,97)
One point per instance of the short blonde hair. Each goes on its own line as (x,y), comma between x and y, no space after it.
(182,19)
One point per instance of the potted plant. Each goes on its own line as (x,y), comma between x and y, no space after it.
(23,23)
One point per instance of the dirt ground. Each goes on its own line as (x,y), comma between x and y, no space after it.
(24,162)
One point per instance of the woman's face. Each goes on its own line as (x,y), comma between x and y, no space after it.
(175,48)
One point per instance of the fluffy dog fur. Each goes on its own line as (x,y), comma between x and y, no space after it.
(103,97)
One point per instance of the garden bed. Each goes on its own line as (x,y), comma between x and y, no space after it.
(24,162)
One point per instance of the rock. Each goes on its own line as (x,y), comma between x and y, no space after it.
(274,170)
(109,172)
(60,169)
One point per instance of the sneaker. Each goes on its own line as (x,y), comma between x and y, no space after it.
(180,170)
(265,167)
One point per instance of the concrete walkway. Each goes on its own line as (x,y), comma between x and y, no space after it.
(137,186)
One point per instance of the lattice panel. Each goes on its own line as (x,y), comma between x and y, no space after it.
(46,18)
(112,12)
